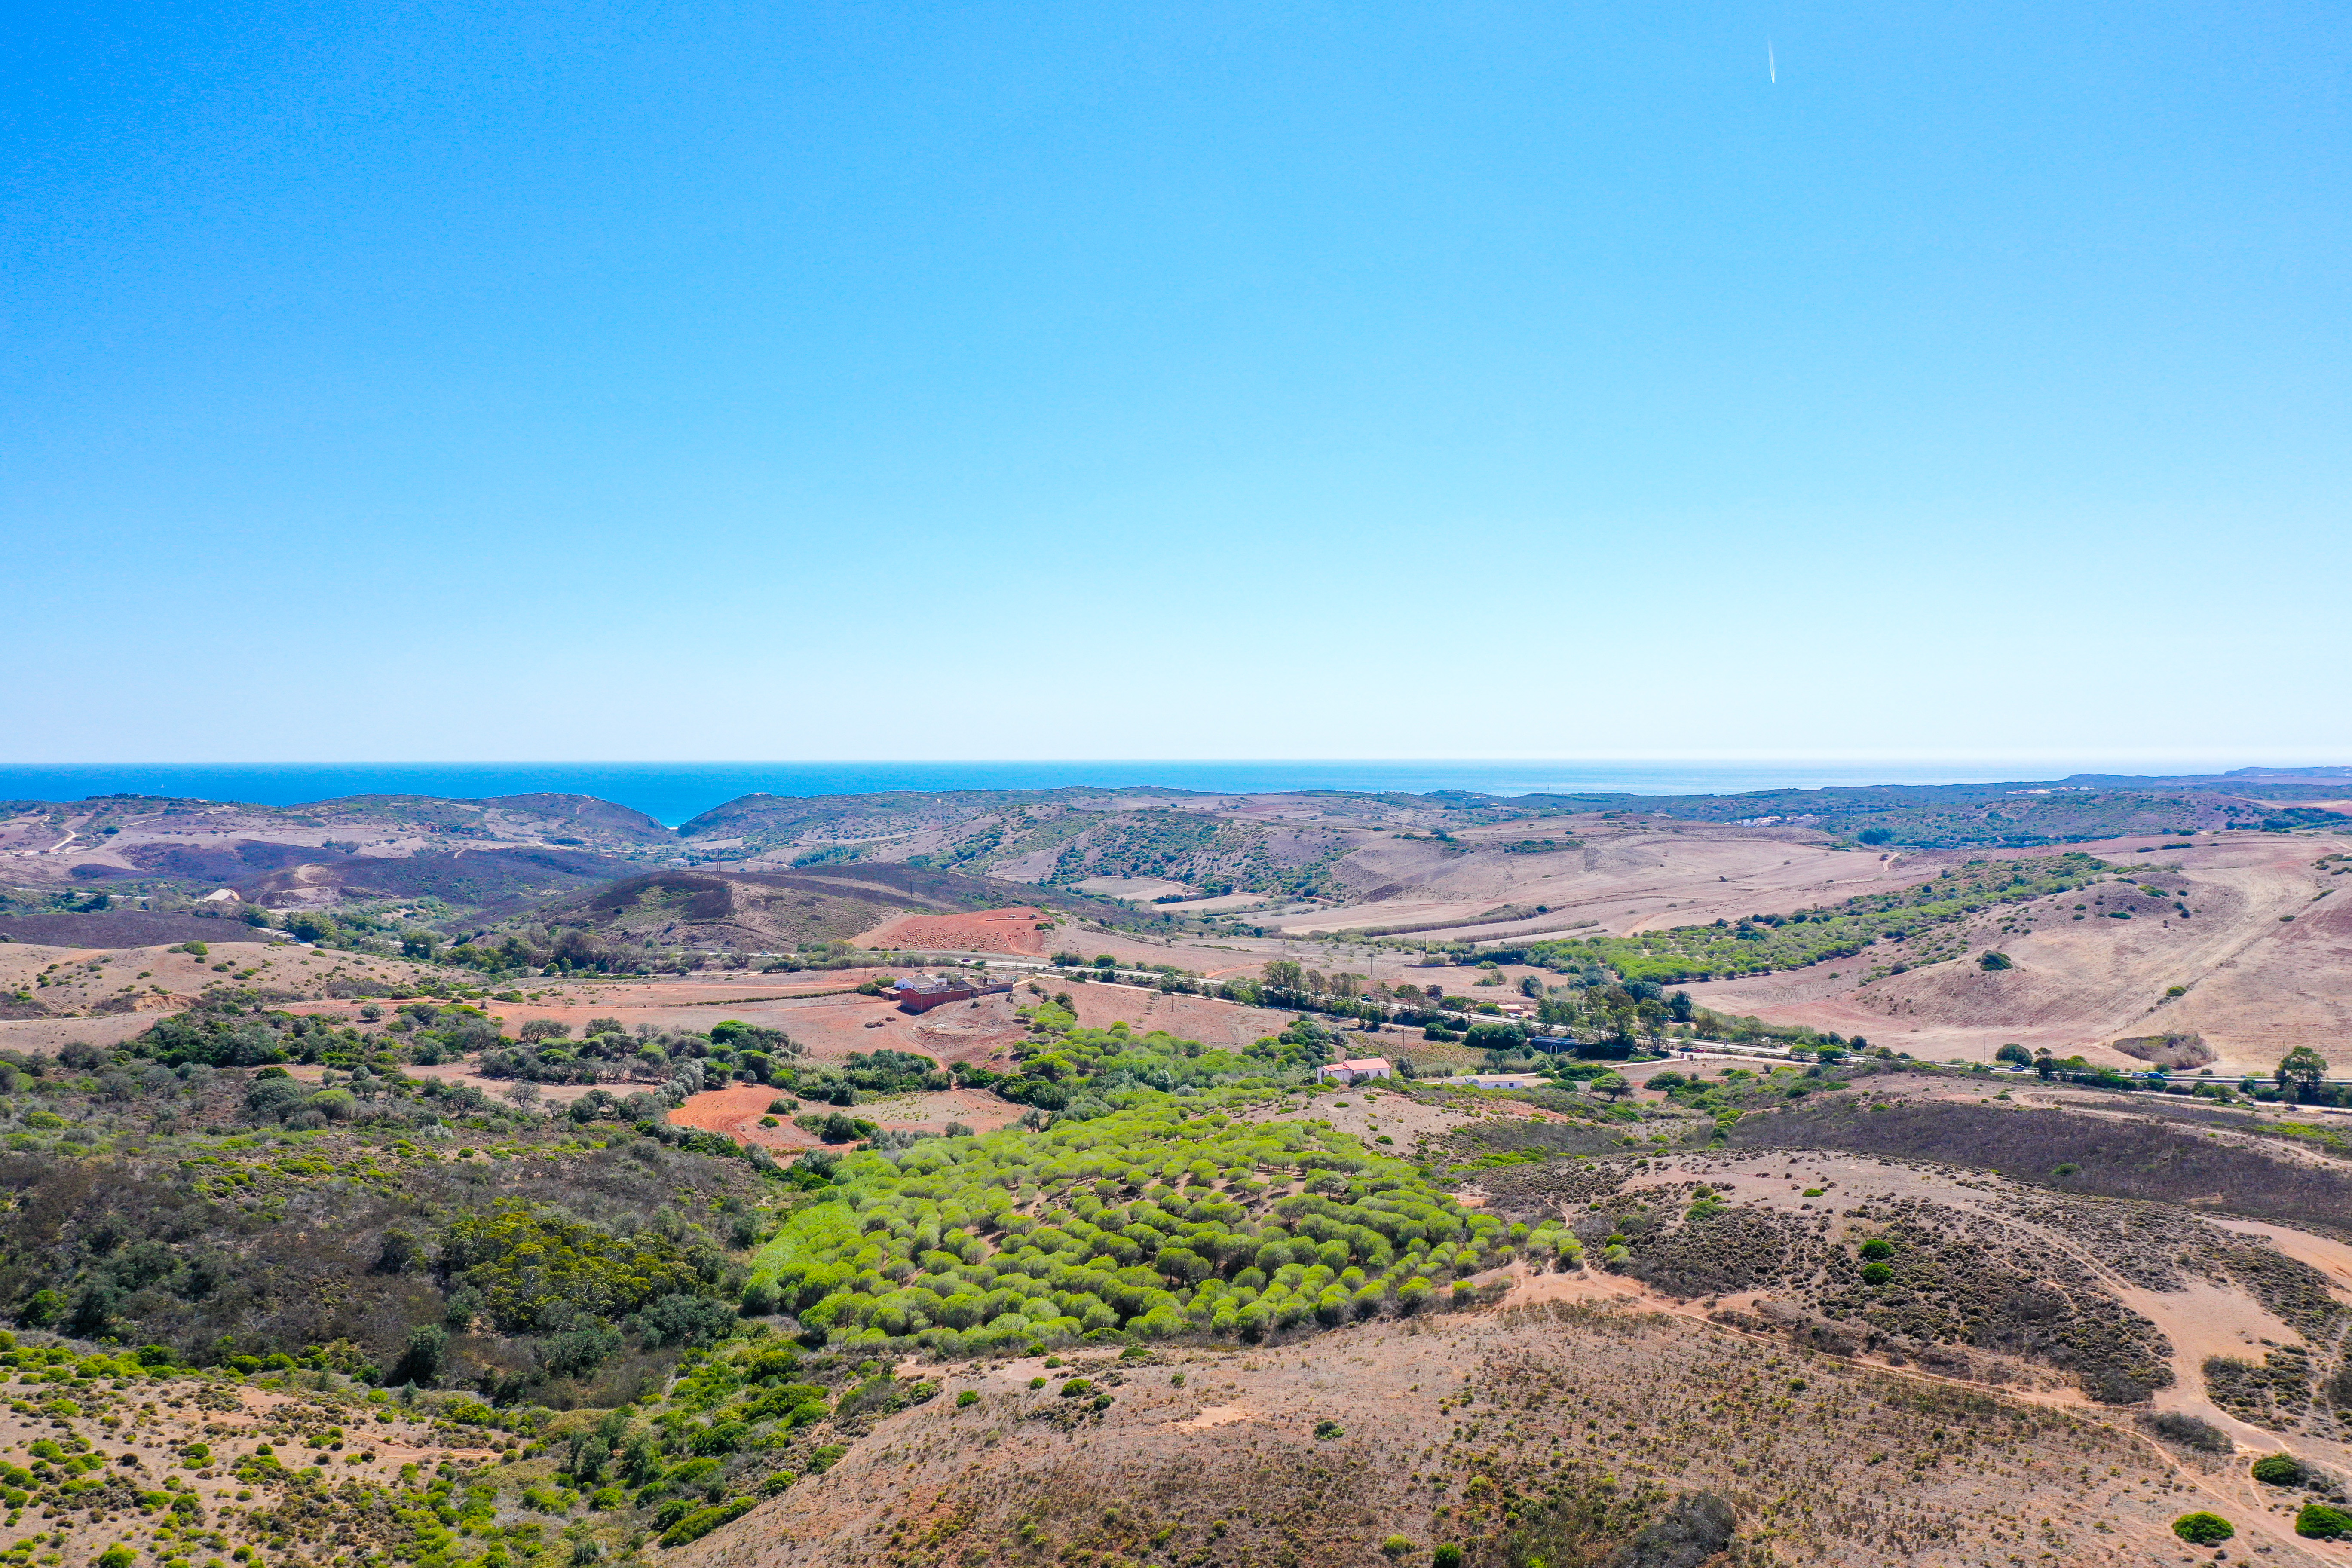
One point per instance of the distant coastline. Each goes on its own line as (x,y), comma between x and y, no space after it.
(671,793)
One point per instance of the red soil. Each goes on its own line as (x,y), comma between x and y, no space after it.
(988,930)
(735,1112)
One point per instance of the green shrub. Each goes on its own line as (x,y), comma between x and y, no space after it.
(702,1521)
(1876,1273)
(2320,1523)
(967,1399)
(2202,1529)
(2280,1470)
(1447,1556)
(1876,1247)
(1395,1546)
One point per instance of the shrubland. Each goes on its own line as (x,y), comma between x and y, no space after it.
(1760,943)
(1147,1222)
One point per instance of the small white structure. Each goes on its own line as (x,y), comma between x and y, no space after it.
(1356,1071)
(1509,1079)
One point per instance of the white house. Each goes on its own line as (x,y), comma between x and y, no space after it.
(1509,1079)
(1356,1071)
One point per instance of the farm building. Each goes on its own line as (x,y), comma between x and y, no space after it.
(1356,1071)
(921,992)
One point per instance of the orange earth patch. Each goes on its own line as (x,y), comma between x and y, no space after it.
(986,931)
(734,1113)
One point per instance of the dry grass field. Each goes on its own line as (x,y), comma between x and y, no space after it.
(1556,1429)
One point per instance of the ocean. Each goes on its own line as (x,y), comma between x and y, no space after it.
(671,793)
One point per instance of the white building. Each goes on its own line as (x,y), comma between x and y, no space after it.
(1356,1071)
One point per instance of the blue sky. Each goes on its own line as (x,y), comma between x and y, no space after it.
(653,381)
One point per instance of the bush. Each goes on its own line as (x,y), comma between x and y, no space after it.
(1395,1546)
(578,1351)
(1325,1431)
(686,1320)
(702,1521)
(1447,1556)
(2317,1522)
(2188,1431)
(1876,1273)
(2202,1529)
(1877,1247)
(2280,1470)
(967,1399)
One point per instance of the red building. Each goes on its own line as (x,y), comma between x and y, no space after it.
(922,992)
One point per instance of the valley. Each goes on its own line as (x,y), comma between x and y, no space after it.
(597,1174)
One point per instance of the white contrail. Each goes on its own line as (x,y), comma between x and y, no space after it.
(1771,65)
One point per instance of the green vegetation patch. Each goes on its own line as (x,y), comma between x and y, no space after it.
(1066,1069)
(1761,944)
(1143,1223)
(535,1269)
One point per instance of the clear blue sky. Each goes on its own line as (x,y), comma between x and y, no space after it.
(646,381)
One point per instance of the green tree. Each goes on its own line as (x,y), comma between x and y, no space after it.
(1612,1084)
(2302,1067)
(428,1344)
(311,926)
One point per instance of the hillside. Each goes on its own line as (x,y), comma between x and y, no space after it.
(467,854)
(2232,934)
(2247,926)
(777,911)
(1170,1303)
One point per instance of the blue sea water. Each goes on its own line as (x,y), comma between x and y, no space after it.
(671,793)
